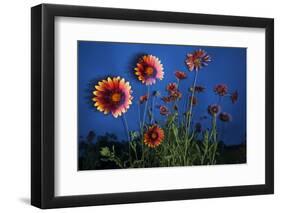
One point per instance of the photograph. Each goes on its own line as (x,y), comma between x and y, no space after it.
(146,105)
(132,105)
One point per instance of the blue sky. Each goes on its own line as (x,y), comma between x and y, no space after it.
(97,60)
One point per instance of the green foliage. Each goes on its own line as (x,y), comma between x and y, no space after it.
(111,156)
(105,152)
(177,149)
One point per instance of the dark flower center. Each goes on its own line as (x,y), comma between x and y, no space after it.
(215,110)
(116,97)
(163,109)
(154,135)
(197,61)
(149,71)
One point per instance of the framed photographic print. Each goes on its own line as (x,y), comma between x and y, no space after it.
(140,106)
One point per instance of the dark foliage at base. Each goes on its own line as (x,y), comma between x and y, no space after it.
(90,157)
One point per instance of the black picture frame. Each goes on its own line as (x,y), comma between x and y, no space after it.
(43,110)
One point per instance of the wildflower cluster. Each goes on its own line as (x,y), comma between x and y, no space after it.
(176,141)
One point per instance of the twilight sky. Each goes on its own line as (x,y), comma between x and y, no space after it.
(98,60)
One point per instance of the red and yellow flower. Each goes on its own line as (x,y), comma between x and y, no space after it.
(154,136)
(221,89)
(113,95)
(171,87)
(234,97)
(214,109)
(164,110)
(143,98)
(180,75)
(197,89)
(197,60)
(149,69)
(175,95)
(225,117)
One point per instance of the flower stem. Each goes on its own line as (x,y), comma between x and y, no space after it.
(176,102)
(141,134)
(128,135)
(145,108)
(139,117)
(214,134)
(214,128)
(220,99)
(152,110)
(126,127)
(191,104)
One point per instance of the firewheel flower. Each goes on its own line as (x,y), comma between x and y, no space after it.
(149,69)
(175,95)
(143,98)
(234,97)
(154,136)
(163,110)
(171,87)
(197,89)
(180,75)
(221,89)
(197,60)
(213,109)
(225,117)
(112,95)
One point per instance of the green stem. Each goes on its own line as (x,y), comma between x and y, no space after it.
(214,136)
(176,101)
(135,150)
(191,104)
(126,127)
(206,147)
(143,154)
(139,118)
(214,128)
(128,135)
(177,104)
(145,108)
(152,110)
(141,133)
